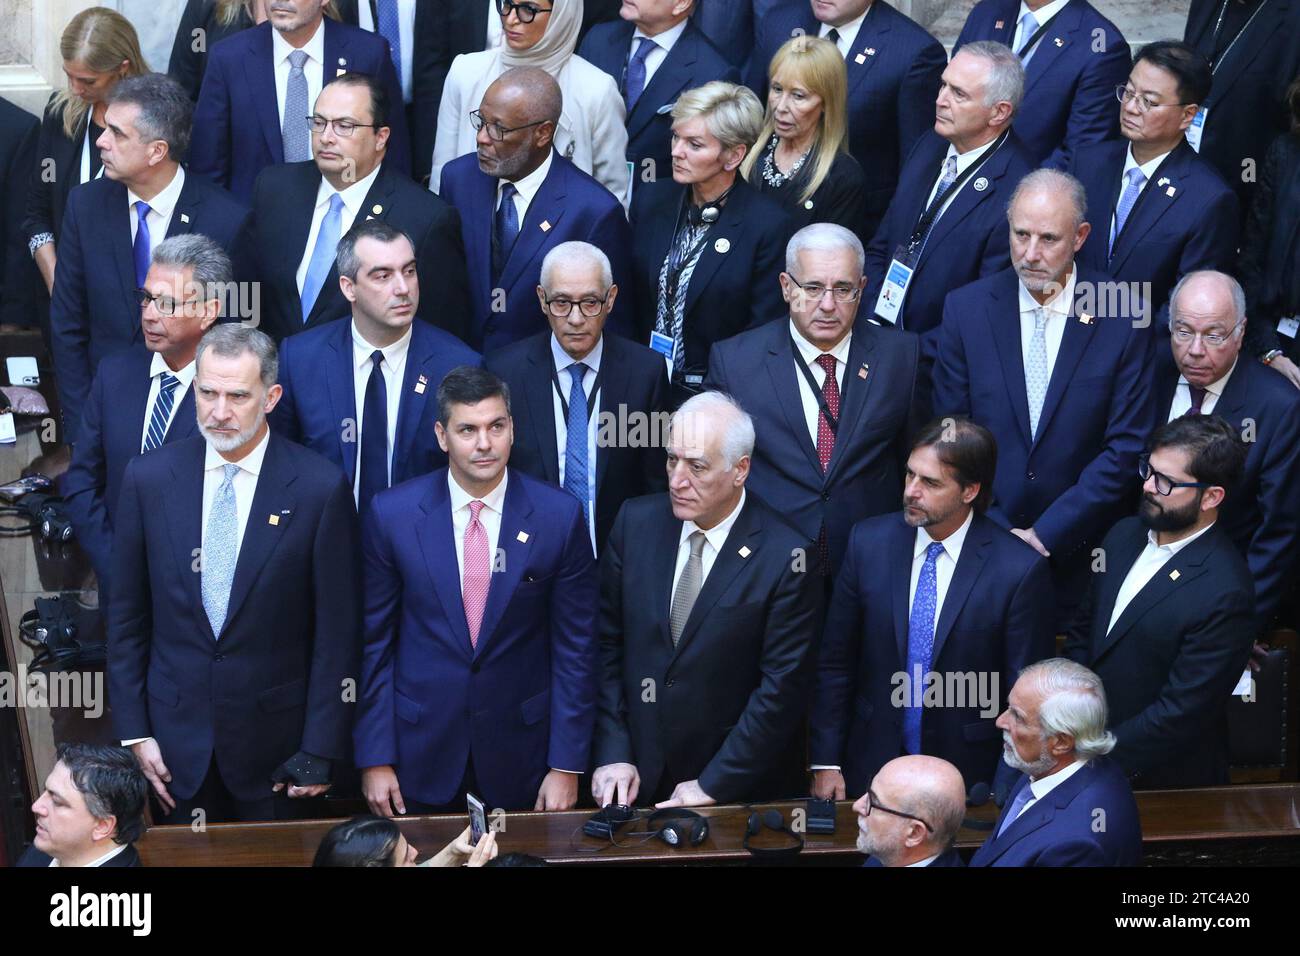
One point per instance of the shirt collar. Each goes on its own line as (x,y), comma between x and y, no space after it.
(926,862)
(1045,785)
(251,463)
(849,32)
(811,352)
(1148,168)
(353,196)
(717,535)
(1214,388)
(951,544)
(528,186)
(1175,546)
(165,201)
(100,861)
(1060,305)
(1042,14)
(362,350)
(494,499)
(185,373)
(314,48)
(563,360)
(666,40)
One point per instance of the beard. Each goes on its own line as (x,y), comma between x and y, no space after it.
(1157,517)
(229,443)
(1035,768)
(926,519)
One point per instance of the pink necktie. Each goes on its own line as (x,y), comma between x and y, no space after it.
(478,572)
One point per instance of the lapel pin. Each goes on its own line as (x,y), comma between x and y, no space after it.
(744,551)
(871,51)
(1162,181)
(981,184)
(343,61)
(999,25)
(522,537)
(273,520)
(419,388)
(862,372)
(808,204)
(1085,318)
(185,217)
(546,225)
(859,59)
(1174,575)
(376,209)
(1058,41)
(722,245)
(340,71)
(1170,191)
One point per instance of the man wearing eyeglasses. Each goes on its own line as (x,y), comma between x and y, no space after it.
(1159,210)
(590,409)
(1204,375)
(1169,616)
(300,211)
(911,813)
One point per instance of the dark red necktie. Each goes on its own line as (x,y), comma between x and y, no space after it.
(831,392)
(1198,396)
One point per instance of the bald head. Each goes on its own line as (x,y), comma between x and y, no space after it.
(927,790)
(1046,216)
(1206,308)
(519,112)
(532,90)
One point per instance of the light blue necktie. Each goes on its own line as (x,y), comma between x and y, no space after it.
(1036,370)
(1028,24)
(1126,203)
(1017,805)
(920,642)
(294,132)
(322,255)
(218,564)
(389,27)
(162,411)
(575,447)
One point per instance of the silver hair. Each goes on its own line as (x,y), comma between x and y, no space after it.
(576,253)
(1053,181)
(731,112)
(211,268)
(1074,703)
(1234,288)
(823,237)
(166,111)
(738,434)
(231,340)
(1006,79)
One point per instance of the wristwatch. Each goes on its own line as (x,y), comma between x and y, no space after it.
(1267,357)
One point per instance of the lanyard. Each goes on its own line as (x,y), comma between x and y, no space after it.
(831,420)
(1038,35)
(1218,61)
(595,389)
(932,211)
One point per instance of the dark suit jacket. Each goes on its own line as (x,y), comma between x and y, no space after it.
(726,705)
(33,857)
(283,202)
(949,857)
(568,205)
(1172,659)
(318,408)
(47,196)
(237,121)
(877,415)
(893,76)
(187,65)
(269,684)
(1270,257)
(996,618)
(633,383)
(1061,829)
(1165,237)
(19,279)
(841,198)
(969,241)
(112,429)
(520,704)
(94,310)
(1069,83)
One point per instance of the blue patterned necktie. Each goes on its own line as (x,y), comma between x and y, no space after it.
(219,551)
(636,70)
(374,436)
(504,229)
(1028,25)
(575,446)
(1017,805)
(162,411)
(920,643)
(322,254)
(1036,375)
(142,248)
(947,179)
(1126,203)
(294,132)
(389,27)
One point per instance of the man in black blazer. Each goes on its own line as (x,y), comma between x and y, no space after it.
(91,810)
(112,224)
(235,619)
(19,278)
(708,619)
(300,211)
(1168,620)
(911,813)
(622,406)
(833,448)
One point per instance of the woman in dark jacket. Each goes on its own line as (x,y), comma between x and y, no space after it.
(204,23)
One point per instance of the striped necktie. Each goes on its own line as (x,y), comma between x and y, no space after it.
(162,411)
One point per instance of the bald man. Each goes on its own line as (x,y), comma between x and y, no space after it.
(911,813)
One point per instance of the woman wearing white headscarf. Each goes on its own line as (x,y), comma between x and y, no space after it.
(591,132)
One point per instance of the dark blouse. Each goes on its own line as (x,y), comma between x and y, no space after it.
(188,65)
(841,198)
(1269,266)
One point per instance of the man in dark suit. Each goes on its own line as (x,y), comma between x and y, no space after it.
(708,618)
(517,199)
(235,609)
(112,224)
(922,599)
(947,221)
(360,391)
(1061,378)
(91,811)
(141,398)
(1206,374)
(260,86)
(479,670)
(654,53)
(893,76)
(300,210)
(1161,210)
(19,278)
(1169,620)
(1072,805)
(1073,57)
(612,392)
(833,445)
(911,813)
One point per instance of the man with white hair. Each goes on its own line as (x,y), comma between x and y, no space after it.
(708,615)
(911,813)
(1072,807)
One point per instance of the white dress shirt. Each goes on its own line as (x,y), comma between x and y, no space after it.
(489,517)
(313,69)
(562,364)
(1148,170)
(244,482)
(944,566)
(963,161)
(715,539)
(1182,402)
(354,198)
(394,369)
(1041,15)
(847,33)
(186,376)
(1148,564)
(161,207)
(926,862)
(664,42)
(525,189)
(1057,311)
(405,27)
(809,353)
(100,861)
(1045,785)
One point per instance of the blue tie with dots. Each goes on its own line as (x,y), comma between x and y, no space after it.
(920,643)
(219,552)
(575,446)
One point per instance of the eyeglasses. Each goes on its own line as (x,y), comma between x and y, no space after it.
(497,132)
(590,306)
(165,304)
(1164,484)
(524,11)
(1215,340)
(840,293)
(873,805)
(343,127)
(1124,94)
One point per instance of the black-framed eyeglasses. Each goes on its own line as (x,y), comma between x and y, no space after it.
(590,306)
(343,127)
(1124,94)
(840,293)
(526,12)
(873,805)
(497,132)
(165,304)
(1164,484)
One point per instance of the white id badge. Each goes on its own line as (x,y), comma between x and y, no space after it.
(663,344)
(892,292)
(1194,131)
(1288,327)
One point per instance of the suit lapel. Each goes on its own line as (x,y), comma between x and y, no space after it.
(785,386)
(273,498)
(661,562)
(613,393)
(728,227)
(966,200)
(544,214)
(299,208)
(1244,52)
(259,71)
(186,211)
(410,405)
(183,423)
(1006,16)
(537,392)
(745,533)
(1054,43)
(339,379)
(1152,204)
(871,38)
(437,537)
(1004,327)
(667,82)
(1074,342)
(902,544)
(117,220)
(184,513)
(337,51)
(853,408)
(974,553)
(517,522)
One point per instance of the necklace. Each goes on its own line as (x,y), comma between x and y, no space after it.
(773,176)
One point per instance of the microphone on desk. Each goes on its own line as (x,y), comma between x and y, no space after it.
(977,797)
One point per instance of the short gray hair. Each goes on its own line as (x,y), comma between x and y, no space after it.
(1006,77)
(231,340)
(823,237)
(576,253)
(211,268)
(1234,289)
(1074,703)
(166,111)
(731,112)
(1058,183)
(738,427)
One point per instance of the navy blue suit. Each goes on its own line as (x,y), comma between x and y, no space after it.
(112,433)
(996,618)
(319,401)
(569,205)
(1165,237)
(1065,827)
(970,240)
(237,131)
(520,705)
(94,310)
(893,76)
(1069,84)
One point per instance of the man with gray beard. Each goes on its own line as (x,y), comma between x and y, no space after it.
(911,813)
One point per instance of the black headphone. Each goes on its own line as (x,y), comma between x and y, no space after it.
(710,212)
(679,827)
(773,820)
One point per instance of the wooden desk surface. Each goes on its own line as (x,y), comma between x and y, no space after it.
(1217,813)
